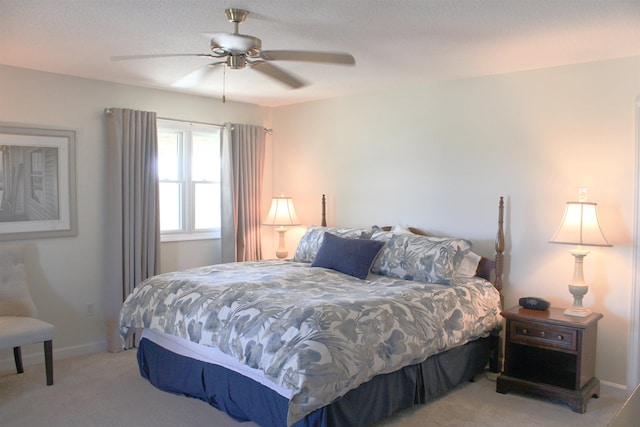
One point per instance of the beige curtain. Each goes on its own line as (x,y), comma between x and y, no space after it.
(243,153)
(132,218)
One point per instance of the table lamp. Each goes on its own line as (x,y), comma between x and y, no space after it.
(283,215)
(579,227)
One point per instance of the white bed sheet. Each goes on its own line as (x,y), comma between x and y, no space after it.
(212,355)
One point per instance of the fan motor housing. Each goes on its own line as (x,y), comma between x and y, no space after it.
(236,62)
(236,44)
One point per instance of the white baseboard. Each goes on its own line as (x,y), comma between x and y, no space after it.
(34,354)
(614,385)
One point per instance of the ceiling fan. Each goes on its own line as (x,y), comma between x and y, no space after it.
(238,51)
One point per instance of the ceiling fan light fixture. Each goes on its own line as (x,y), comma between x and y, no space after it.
(217,50)
(254,52)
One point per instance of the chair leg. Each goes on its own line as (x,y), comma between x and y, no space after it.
(17,356)
(48,360)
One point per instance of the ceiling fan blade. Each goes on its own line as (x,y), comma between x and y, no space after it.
(195,77)
(162,55)
(301,55)
(277,73)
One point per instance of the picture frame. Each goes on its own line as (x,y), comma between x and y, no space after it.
(37,183)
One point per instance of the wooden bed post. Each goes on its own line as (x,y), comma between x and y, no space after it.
(497,357)
(324,211)
(500,248)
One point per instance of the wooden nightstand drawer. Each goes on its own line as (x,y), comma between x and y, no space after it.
(543,335)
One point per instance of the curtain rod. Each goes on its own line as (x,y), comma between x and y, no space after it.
(269,131)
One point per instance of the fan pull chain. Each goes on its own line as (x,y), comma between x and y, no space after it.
(224,82)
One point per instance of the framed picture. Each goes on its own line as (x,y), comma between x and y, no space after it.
(37,183)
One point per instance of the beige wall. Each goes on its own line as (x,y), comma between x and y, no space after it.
(66,273)
(439,156)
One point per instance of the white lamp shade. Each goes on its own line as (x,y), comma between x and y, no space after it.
(580,226)
(281,213)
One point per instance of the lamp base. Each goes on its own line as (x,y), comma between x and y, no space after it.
(577,309)
(281,252)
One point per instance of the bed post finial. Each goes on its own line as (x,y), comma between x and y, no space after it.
(500,247)
(324,211)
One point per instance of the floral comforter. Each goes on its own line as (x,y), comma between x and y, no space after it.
(316,331)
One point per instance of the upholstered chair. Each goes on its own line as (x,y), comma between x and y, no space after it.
(18,323)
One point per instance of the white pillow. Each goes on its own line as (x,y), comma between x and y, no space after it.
(400,229)
(469,265)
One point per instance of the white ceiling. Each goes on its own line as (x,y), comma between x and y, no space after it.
(395,43)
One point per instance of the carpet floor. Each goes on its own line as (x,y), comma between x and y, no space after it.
(104,390)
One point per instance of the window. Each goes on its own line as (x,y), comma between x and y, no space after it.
(189,173)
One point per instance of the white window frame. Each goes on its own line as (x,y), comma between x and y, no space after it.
(187,212)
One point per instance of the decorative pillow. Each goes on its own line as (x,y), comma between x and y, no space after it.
(421,258)
(349,256)
(379,234)
(469,264)
(312,239)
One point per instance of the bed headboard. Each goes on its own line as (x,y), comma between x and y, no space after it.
(490,269)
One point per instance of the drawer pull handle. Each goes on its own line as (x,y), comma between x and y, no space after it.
(542,334)
(525,332)
(560,337)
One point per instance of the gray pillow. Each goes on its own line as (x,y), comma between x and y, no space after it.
(312,239)
(420,258)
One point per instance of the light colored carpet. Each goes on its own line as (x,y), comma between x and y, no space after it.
(106,389)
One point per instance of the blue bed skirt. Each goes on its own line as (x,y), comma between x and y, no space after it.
(247,400)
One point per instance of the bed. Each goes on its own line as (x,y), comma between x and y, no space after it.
(361,324)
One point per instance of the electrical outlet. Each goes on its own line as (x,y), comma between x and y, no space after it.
(91,309)
(582,194)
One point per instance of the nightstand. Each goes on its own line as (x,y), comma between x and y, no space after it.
(551,355)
